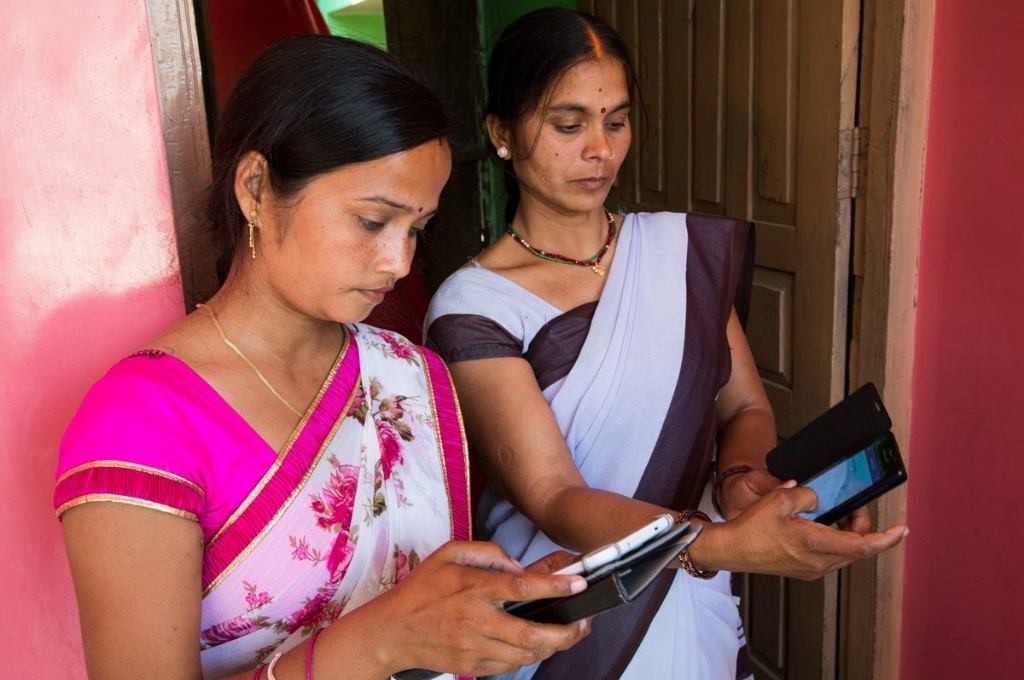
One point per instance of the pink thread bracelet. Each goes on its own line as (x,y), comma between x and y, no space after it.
(309,653)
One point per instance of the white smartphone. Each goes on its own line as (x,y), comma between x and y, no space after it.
(595,559)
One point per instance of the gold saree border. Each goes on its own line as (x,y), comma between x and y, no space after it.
(277,464)
(465,446)
(440,444)
(296,431)
(288,501)
(125,500)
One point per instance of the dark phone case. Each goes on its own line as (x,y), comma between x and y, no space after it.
(847,427)
(608,587)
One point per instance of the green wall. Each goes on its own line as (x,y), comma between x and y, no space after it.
(355,22)
(495,15)
(365,27)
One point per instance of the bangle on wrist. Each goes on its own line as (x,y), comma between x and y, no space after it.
(683,558)
(259,672)
(720,477)
(270,666)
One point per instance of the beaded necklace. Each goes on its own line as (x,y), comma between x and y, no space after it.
(593,262)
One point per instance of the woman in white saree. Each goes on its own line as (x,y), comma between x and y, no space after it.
(604,372)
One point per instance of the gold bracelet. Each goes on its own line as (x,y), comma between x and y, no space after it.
(684,557)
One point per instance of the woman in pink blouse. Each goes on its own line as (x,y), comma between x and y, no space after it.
(270,469)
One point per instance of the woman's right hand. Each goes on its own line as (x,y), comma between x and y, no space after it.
(770,537)
(447,614)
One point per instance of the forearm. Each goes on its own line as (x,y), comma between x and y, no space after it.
(746,438)
(746,424)
(361,645)
(355,647)
(581,518)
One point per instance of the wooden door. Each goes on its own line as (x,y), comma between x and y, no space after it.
(750,109)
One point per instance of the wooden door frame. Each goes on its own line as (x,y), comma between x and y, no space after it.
(895,91)
(176,62)
(895,84)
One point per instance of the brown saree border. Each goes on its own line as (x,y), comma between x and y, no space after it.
(715,250)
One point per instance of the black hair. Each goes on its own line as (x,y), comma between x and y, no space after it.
(531,54)
(310,105)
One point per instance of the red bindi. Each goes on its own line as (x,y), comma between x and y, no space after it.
(604,110)
(420,209)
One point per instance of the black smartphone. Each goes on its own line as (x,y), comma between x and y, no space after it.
(856,479)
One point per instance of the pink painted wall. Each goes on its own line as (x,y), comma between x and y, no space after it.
(87,272)
(964,578)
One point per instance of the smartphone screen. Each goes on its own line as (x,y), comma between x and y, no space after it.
(854,475)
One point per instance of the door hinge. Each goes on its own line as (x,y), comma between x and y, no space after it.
(853,147)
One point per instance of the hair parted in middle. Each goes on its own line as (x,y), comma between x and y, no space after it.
(532,54)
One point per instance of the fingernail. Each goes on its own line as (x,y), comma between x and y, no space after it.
(906,532)
(578,584)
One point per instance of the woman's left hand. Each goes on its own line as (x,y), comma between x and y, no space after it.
(739,491)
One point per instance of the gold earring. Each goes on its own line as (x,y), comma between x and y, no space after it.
(503,152)
(252,233)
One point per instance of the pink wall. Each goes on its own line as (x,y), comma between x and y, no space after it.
(964,577)
(87,272)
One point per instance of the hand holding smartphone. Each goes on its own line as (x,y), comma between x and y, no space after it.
(857,479)
(847,455)
(616,574)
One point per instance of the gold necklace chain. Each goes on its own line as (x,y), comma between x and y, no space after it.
(234,348)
